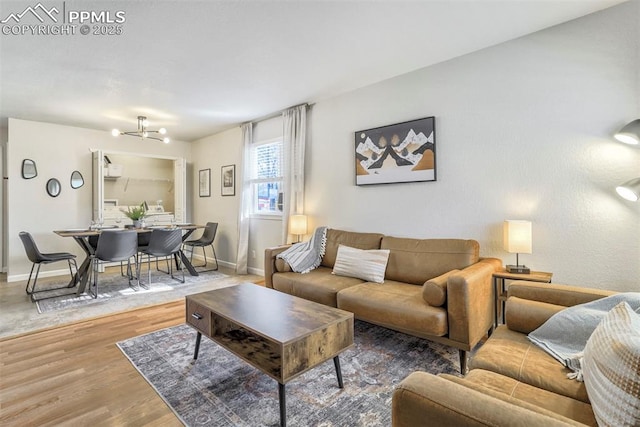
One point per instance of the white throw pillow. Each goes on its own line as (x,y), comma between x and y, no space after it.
(611,368)
(368,265)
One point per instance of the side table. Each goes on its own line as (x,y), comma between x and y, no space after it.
(500,290)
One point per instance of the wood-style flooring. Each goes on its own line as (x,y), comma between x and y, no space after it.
(76,375)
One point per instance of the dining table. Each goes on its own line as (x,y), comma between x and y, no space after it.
(82,235)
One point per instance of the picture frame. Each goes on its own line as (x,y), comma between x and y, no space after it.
(228,180)
(402,152)
(204,183)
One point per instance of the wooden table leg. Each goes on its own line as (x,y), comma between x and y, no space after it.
(283,405)
(336,362)
(195,352)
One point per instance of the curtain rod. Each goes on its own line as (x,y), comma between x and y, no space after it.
(276,114)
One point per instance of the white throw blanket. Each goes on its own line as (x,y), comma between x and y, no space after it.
(305,256)
(565,334)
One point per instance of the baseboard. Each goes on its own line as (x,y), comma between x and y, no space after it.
(232,265)
(51,273)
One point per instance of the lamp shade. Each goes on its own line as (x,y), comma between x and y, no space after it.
(298,224)
(517,236)
(630,190)
(630,134)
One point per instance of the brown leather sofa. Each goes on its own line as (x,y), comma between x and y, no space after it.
(511,381)
(446,272)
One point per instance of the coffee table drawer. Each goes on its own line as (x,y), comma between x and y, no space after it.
(199,317)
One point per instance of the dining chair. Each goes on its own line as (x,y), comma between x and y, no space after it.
(208,236)
(163,243)
(116,246)
(38,258)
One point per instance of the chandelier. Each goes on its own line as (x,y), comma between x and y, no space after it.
(143,132)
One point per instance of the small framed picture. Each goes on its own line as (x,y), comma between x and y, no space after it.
(228,180)
(205,183)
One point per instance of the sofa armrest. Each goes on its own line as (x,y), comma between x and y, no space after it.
(530,304)
(270,263)
(554,293)
(470,302)
(423,399)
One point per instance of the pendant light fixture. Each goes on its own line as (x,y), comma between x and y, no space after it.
(143,131)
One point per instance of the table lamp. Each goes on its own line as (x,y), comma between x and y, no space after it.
(298,225)
(517,239)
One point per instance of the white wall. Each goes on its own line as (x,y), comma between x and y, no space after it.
(213,152)
(58,151)
(225,149)
(4,135)
(523,131)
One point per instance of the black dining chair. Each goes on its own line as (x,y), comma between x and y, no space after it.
(116,246)
(38,258)
(208,236)
(163,243)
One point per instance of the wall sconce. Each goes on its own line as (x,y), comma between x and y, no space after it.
(298,225)
(630,190)
(517,239)
(630,134)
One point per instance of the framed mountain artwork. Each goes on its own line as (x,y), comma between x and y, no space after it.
(404,152)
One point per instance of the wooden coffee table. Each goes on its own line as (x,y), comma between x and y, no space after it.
(281,335)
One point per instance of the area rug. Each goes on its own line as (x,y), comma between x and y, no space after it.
(219,389)
(113,286)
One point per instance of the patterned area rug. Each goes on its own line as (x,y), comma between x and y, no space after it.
(219,389)
(113,286)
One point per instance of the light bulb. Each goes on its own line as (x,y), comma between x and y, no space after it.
(145,134)
(166,140)
(630,133)
(627,139)
(630,190)
(145,123)
(162,131)
(115,132)
(626,193)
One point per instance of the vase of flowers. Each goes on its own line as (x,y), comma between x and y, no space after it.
(136,214)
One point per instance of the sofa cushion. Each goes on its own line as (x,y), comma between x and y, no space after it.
(510,353)
(482,380)
(434,291)
(347,238)
(367,265)
(318,285)
(611,368)
(394,305)
(418,260)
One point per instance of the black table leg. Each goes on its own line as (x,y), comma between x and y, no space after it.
(283,405)
(195,353)
(336,362)
(187,264)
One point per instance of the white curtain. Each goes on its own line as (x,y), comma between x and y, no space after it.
(295,131)
(245,200)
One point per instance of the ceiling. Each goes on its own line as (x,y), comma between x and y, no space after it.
(199,67)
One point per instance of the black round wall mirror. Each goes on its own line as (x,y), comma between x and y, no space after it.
(77,180)
(53,187)
(29,169)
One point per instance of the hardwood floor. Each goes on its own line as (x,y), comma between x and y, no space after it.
(75,374)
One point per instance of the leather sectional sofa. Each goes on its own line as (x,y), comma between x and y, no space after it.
(511,381)
(446,272)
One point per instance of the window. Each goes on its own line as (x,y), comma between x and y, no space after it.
(266,177)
